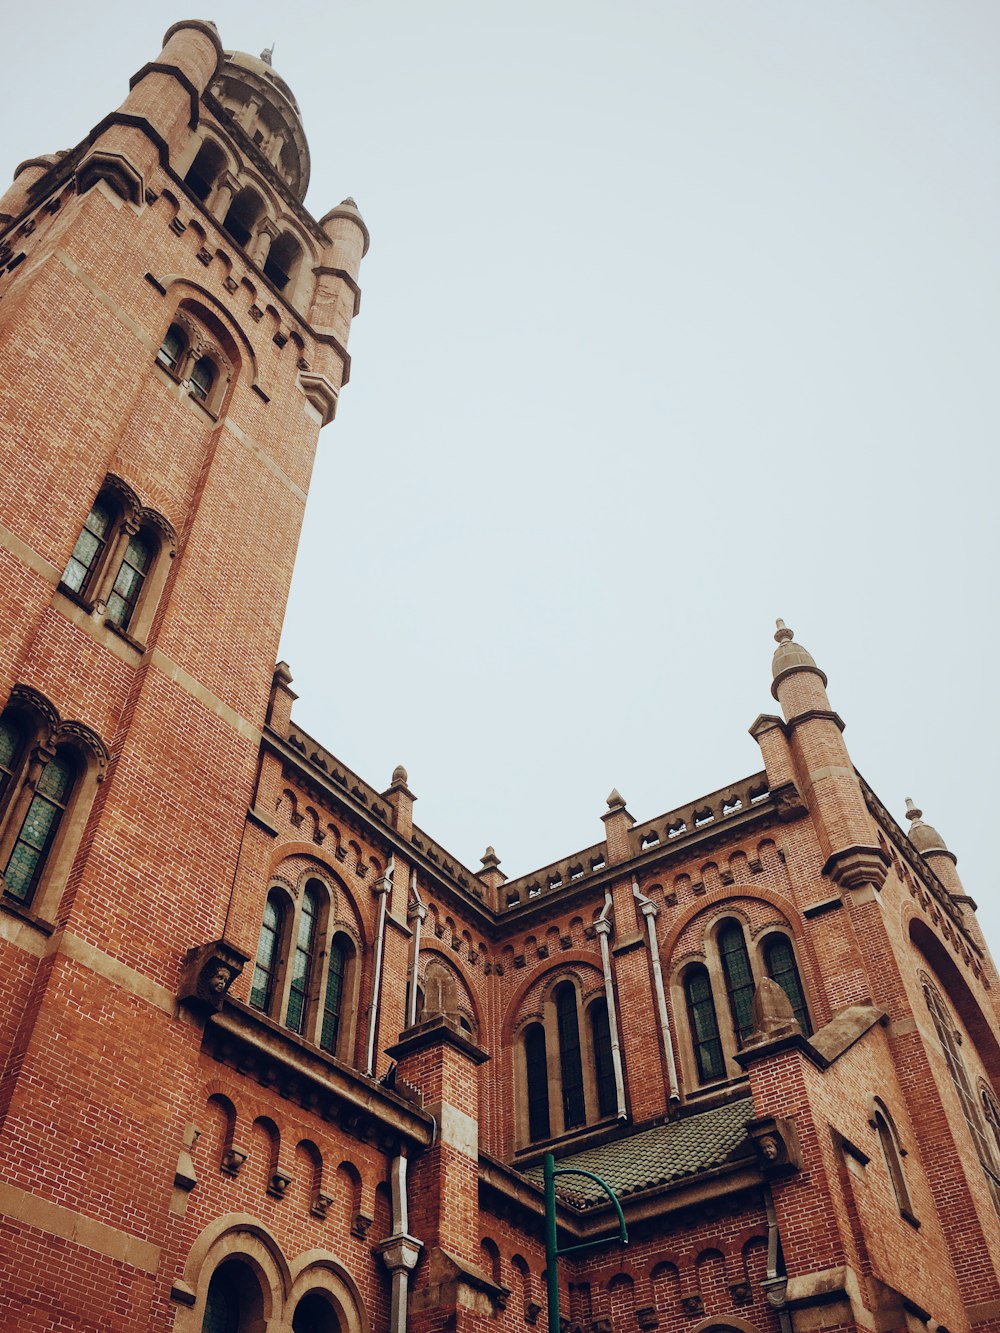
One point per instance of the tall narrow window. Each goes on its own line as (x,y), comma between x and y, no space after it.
(570,1063)
(945,1029)
(282,260)
(86,558)
(11,741)
(779,961)
(204,170)
(266,967)
(39,827)
(739,977)
(203,378)
(242,216)
(129,580)
(704,1025)
(992,1113)
(172,348)
(536,1064)
(233,1303)
(893,1155)
(333,998)
(604,1066)
(302,960)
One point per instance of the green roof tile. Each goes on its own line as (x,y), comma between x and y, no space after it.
(657,1156)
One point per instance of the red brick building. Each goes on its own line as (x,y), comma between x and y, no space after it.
(272,1058)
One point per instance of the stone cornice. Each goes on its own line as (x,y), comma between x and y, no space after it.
(254,1045)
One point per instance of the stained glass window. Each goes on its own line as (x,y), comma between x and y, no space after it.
(704,1025)
(38,830)
(128,584)
(779,960)
(739,977)
(570,1064)
(604,1067)
(538,1082)
(266,966)
(86,557)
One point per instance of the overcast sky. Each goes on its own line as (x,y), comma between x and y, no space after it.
(678,317)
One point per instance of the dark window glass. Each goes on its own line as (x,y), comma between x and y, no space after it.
(242,215)
(10,749)
(779,960)
(203,378)
(739,978)
(172,348)
(945,1028)
(266,967)
(86,557)
(704,1025)
(333,998)
(570,1064)
(890,1151)
(233,1303)
(313,1315)
(35,837)
(302,960)
(604,1065)
(538,1082)
(204,170)
(128,583)
(281,260)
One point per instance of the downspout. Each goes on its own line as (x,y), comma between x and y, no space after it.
(603,928)
(776,1283)
(400,1251)
(648,909)
(417,913)
(383,889)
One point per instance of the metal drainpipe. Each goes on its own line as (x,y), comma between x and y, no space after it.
(418,913)
(400,1250)
(775,1284)
(603,927)
(648,909)
(384,889)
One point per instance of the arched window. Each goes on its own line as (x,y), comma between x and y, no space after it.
(282,260)
(302,959)
(704,1025)
(233,1303)
(131,576)
(39,827)
(11,749)
(739,977)
(173,347)
(265,970)
(604,1068)
(242,216)
(779,962)
(334,995)
(536,1063)
(893,1153)
(991,1113)
(945,1028)
(314,1315)
(204,170)
(570,1062)
(84,563)
(203,377)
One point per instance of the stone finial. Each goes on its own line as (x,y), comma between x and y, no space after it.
(616,801)
(400,776)
(925,838)
(790,656)
(772,1014)
(490,859)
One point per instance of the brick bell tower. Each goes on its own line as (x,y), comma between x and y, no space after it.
(173,329)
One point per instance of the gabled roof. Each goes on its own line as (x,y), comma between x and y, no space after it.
(656,1156)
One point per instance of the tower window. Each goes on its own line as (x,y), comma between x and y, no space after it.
(204,171)
(604,1067)
(282,260)
(302,961)
(38,828)
(85,561)
(536,1063)
(243,214)
(203,378)
(704,1025)
(172,348)
(779,961)
(129,580)
(739,977)
(266,966)
(333,996)
(11,748)
(570,1063)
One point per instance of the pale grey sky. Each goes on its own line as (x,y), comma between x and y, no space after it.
(678,317)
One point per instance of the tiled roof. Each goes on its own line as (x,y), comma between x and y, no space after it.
(657,1156)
